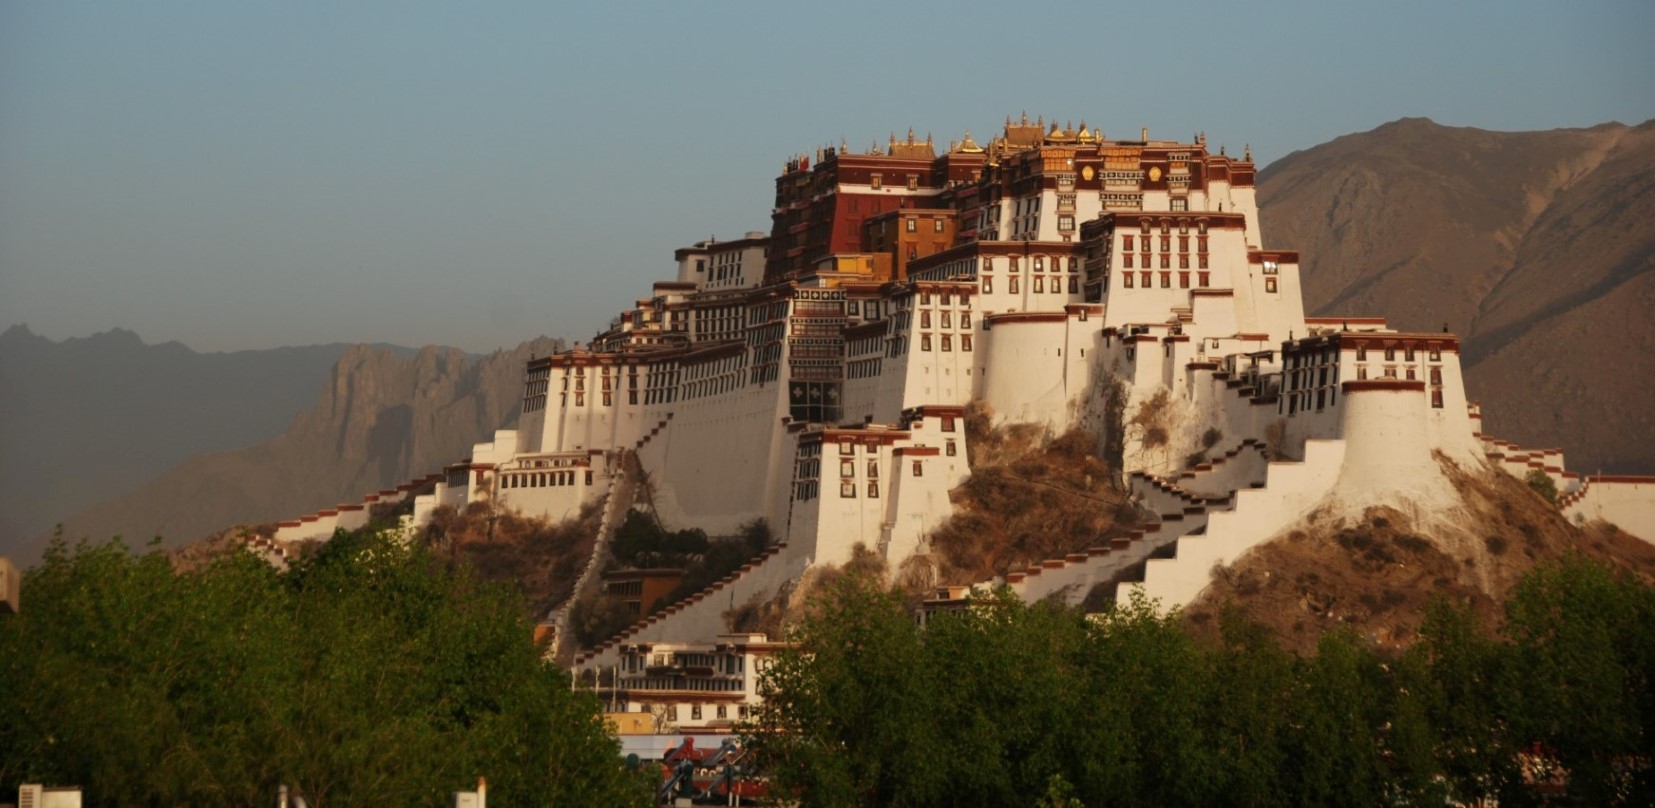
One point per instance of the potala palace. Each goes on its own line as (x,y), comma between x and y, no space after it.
(818,376)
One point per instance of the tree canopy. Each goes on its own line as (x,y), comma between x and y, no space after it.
(1007,704)
(369,674)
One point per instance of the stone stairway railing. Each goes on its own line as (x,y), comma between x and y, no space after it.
(699,617)
(617,502)
(1183,568)
(1518,462)
(1178,512)
(1240,467)
(320,525)
(272,551)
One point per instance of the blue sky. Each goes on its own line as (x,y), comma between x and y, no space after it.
(237,175)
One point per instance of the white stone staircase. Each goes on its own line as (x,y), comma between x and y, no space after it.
(1179,573)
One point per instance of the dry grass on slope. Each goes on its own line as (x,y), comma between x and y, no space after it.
(1380,575)
(1025,503)
(541,558)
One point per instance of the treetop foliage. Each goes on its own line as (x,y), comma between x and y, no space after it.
(1007,704)
(369,674)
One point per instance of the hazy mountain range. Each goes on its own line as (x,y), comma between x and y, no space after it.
(83,420)
(1537,247)
(174,426)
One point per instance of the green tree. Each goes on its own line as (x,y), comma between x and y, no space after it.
(848,719)
(1583,663)
(367,675)
(1543,484)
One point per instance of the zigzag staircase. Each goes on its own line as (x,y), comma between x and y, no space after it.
(1179,511)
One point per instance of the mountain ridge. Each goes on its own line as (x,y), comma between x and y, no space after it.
(379,419)
(1534,246)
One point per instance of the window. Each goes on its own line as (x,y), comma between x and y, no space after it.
(911,225)
(672,712)
(1435,354)
(873,469)
(1144,279)
(1183,261)
(1202,278)
(913,182)
(1270,285)
(925,318)
(988,284)
(947,343)
(1074,285)
(1183,280)
(1039,263)
(1126,278)
(951,449)
(936,225)
(919,469)
(847,468)
(1180,203)
(695,712)
(925,342)
(1270,267)
(1436,375)
(876,180)
(722,711)
(1166,244)
(965,344)
(1166,280)
(948,423)
(847,489)
(1126,243)
(965,319)
(1126,261)
(1039,283)
(1390,354)
(1013,288)
(1200,243)
(947,318)
(1436,398)
(847,448)
(1066,222)
(873,490)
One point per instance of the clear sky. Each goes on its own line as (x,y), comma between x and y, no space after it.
(255,174)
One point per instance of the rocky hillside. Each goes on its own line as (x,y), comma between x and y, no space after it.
(1537,247)
(382,418)
(1379,576)
(86,419)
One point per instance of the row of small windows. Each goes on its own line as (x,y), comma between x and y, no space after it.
(946,341)
(1166,243)
(1014,285)
(542,479)
(946,318)
(1146,280)
(1166,261)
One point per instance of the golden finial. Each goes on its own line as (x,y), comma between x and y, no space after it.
(910,134)
(1247,153)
